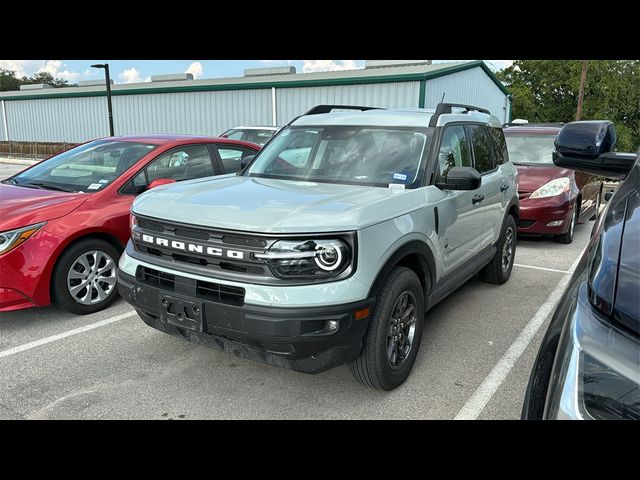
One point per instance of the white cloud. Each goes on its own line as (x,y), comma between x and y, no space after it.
(328,65)
(131,75)
(53,67)
(196,69)
(147,79)
(499,64)
(22,68)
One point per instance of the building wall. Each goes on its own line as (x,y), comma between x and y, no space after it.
(3,134)
(84,118)
(471,87)
(291,102)
(211,112)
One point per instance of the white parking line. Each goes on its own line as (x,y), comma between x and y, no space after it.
(54,338)
(474,406)
(541,268)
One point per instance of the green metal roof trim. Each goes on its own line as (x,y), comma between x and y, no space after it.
(408,77)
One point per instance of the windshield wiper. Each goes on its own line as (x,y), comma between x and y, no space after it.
(46,186)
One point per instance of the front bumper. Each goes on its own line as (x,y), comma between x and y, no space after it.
(25,272)
(536,214)
(294,338)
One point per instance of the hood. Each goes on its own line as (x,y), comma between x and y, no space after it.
(532,177)
(21,206)
(276,206)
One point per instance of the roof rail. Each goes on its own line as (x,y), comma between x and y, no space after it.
(548,124)
(444,108)
(327,108)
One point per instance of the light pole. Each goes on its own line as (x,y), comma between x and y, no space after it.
(108,80)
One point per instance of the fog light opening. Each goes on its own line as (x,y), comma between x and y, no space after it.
(555,223)
(331,325)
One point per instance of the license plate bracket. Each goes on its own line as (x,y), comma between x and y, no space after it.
(180,312)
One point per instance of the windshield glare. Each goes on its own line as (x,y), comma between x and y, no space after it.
(352,155)
(87,168)
(530,149)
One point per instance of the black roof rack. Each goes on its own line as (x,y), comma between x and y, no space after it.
(444,108)
(328,108)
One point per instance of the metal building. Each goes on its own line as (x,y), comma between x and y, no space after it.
(208,107)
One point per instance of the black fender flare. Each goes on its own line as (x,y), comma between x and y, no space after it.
(414,247)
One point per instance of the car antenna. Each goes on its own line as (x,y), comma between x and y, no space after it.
(443,94)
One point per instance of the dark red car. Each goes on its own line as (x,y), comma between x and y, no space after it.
(552,199)
(65,220)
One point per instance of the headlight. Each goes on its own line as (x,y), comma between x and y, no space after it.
(133,221)
(307,258)
(552,188)
(11,239)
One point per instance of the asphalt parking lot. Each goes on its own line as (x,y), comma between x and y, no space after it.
(474,362)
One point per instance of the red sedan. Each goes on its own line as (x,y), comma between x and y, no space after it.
(552,199)
(65,220)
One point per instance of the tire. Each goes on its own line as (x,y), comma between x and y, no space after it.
(71,272)
(567,237)
(375,367)
(499,269)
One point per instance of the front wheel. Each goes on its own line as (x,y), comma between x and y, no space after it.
(395,330)
(499,269)
(567,237)
(84,280)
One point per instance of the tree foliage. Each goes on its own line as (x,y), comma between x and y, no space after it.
(547,91)
(9,81)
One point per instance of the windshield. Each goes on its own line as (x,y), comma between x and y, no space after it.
(86,168)
(530,149)
(250,135)
(351,155)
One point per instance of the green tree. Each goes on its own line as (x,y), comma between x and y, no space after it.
(9,81)
(547,91)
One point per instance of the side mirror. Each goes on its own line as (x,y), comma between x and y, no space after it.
(224,135)
(586,146)
(246,161)
(461,178)
(161,181)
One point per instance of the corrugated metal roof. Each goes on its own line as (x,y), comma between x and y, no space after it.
(381,74)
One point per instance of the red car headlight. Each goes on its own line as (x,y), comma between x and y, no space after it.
(13,238)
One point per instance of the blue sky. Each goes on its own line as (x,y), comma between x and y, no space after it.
(133,71)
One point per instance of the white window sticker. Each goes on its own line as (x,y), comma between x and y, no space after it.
(396,187)
(103,181)
(94,186)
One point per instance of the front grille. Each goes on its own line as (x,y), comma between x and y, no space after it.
(220,293)
(213,292)
(156,278)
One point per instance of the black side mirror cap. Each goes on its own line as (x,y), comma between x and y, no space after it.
(461,178)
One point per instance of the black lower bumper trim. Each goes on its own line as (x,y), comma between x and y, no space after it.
(301,339)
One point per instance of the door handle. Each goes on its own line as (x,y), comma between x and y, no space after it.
(504,188)
(477,198)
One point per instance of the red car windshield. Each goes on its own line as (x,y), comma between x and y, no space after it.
(86,168)
(526,149)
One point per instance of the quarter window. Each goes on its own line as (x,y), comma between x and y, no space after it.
(231,157)
(482,150)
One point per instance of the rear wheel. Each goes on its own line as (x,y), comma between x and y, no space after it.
(499,269)
(84,280)
(395,330)
(567,237)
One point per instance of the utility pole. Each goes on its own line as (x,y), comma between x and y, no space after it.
(583,80)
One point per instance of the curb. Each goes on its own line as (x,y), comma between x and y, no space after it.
(18,161)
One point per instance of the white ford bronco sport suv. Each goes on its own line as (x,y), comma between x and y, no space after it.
(333,242)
